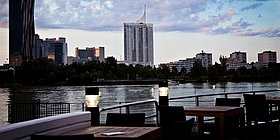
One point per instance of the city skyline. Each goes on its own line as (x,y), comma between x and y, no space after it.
(182,28)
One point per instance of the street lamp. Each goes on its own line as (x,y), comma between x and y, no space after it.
(13,112)
(92,104)
(163,93)
(14,76)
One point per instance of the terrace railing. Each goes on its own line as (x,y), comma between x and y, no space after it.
(18,112)
(27,111)
(146,106)
(194,100)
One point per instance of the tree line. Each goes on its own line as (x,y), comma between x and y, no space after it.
(43,71)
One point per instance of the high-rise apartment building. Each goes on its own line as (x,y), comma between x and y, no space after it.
(138,42)
(237,60)
(205,58)
(21,30)
(267,57)
(239,57)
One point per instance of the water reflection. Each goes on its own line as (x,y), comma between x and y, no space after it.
(112,95)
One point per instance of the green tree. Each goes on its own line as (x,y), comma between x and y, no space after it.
(163,71)
(197,71)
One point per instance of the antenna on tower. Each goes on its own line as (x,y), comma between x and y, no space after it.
(143,18)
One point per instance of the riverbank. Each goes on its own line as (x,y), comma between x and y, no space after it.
(126,82)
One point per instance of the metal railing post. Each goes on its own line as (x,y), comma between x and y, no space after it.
(127,110)
(197,101)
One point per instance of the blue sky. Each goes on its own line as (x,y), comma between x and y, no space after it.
(182,27)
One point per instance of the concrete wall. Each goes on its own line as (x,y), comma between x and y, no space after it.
(49,125)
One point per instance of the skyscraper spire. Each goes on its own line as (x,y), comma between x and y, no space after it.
(138,42)
(143,18)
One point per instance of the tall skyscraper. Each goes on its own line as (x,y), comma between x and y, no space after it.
(138,42)
(21,30)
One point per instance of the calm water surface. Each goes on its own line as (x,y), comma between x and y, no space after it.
(111,95)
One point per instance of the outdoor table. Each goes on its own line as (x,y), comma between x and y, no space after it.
(120,133)
(215,111)
(273,100)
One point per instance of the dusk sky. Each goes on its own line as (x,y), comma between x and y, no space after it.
(182,28)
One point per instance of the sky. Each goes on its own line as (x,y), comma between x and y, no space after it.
(182,28)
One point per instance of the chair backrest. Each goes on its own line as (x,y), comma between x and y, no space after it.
(182,130)
(257,108)
(228,101)
(63,137)
(173,123)
(131,119)
(168,115)
(232,122)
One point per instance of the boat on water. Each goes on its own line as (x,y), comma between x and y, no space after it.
(172,83)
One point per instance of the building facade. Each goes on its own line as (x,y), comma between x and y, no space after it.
(38,50)
(237,60)
(240,57)
(205,58)
(138,42)
(89,54)
(187,64)
(21,30)
(100,54)
(267,57)
(56,49)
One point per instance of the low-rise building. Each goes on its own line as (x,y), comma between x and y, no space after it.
(89,54)
(56,49)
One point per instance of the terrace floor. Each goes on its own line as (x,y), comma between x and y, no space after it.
(261,132)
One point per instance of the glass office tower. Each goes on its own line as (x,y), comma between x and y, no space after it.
(21,30)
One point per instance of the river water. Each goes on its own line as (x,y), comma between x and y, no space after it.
(112,95)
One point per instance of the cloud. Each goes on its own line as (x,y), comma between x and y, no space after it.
(85,15)
(271,33)
(4,18)
(110,15)
(220,5)
(234,28)
(207,16)
(252,6)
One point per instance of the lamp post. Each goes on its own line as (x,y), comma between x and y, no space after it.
(14,77)
(13,87)
(92,104)
(163,93)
